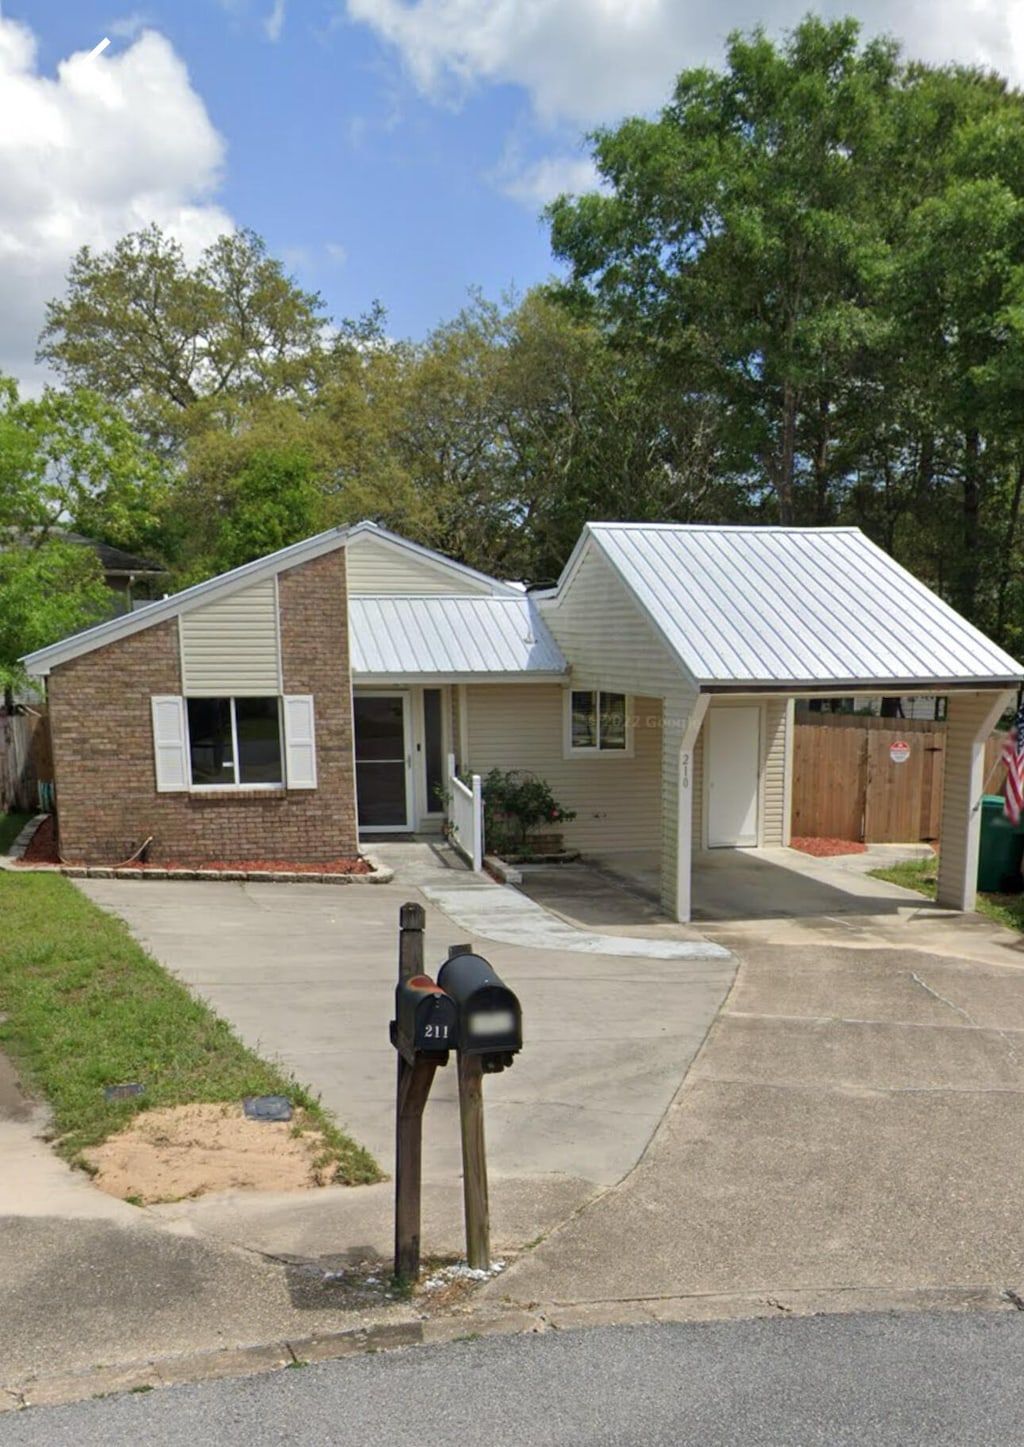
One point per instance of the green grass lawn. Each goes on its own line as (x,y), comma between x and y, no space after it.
(11,826)
(86,1007)
(921,874)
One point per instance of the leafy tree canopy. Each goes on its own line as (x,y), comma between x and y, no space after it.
(69,462)
(176,343)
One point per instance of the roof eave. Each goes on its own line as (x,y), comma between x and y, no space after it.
(436,679)
(870,687)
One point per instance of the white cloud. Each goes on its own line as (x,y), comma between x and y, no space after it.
(587,61)
(274,23)
(336,252)
(108,145)
(535,183)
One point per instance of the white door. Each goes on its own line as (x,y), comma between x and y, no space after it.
(732,770)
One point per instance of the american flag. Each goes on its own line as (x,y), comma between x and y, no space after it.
(1013,757)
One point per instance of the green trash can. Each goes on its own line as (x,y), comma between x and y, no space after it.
(1000,851)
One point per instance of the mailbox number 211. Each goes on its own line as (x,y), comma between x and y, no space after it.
(436,1032)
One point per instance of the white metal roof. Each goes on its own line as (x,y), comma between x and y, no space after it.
(433,635)
(773,605)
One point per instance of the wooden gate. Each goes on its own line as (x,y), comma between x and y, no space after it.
(846,784)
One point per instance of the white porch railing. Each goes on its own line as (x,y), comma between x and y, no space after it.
(466,816)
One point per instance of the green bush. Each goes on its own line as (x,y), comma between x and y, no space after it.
(515,803)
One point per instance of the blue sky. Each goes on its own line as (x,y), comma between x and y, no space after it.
(365,188)
(398,150)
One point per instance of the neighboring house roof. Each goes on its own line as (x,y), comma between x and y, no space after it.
(792,606)
(417,636)
(115,562)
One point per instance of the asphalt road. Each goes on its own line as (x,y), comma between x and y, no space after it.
(938,1380)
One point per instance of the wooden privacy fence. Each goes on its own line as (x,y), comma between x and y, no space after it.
(846,784)
(25,758)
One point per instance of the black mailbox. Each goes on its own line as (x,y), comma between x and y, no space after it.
(490,1017)
(427,1019)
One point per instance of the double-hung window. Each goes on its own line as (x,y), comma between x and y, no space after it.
(598,722)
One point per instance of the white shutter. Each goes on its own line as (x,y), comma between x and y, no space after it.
(170,744)
(299,741)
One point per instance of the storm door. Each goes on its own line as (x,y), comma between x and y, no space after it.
(382,760)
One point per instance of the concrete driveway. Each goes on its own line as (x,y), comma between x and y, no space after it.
(850,1133)
(306,975)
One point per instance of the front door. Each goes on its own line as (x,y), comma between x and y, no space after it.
(382,760)
(733,776)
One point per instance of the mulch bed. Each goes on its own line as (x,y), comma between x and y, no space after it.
(827,848)
(42,849)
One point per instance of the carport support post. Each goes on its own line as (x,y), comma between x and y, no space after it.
(970,718)
(414,1082)
(684,805)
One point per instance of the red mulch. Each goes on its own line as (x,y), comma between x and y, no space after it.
(826,848)
(42,849)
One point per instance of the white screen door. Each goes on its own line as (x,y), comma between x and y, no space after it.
(733,751)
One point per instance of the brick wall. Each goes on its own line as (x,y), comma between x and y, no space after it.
(103,746)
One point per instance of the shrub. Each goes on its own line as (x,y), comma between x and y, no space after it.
(515,803)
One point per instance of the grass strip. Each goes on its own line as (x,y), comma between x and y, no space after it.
(922,875)
(11,826)
(86,1007)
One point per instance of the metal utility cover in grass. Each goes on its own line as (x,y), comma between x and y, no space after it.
(123,1092)
(267,1107)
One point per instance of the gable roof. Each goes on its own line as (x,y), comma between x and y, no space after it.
(42,660)
(422,636)
(792,606)
(458,572)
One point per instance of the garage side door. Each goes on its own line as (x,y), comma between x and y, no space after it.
(733,755)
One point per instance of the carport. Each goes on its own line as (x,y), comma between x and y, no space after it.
(728,627)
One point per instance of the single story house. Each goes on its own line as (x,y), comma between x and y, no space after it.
(282,709)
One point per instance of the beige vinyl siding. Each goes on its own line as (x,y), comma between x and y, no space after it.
(774,733)
(611,643)
(617,800)
(232,646)
(970,718)
(379,567)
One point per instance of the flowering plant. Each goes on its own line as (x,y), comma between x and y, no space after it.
(515,803)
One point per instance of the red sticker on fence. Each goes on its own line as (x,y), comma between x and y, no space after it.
(899,752)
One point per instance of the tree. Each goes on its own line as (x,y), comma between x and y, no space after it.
(46,592)
(178,345)
(68,462)
(742,242)
(823,241)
